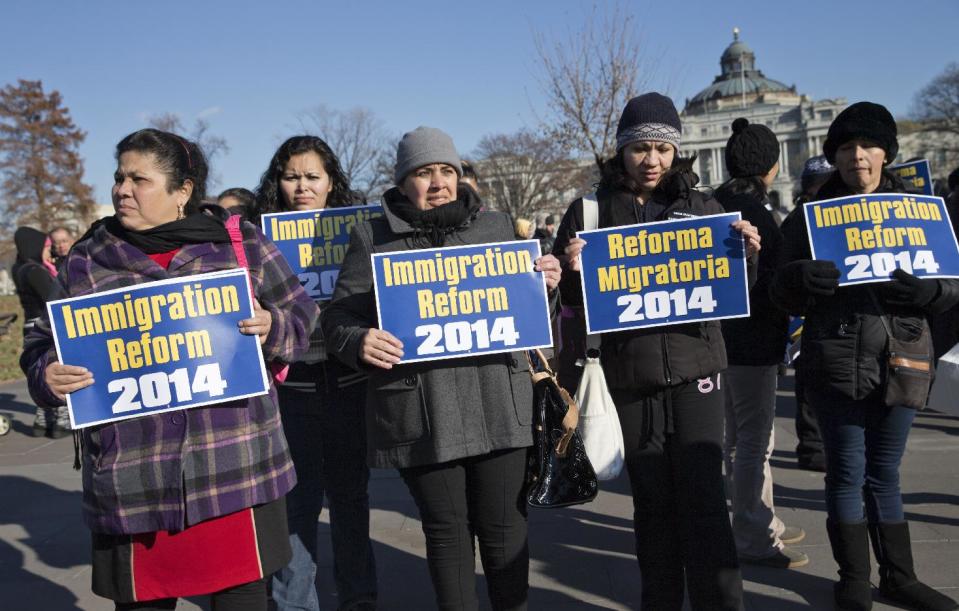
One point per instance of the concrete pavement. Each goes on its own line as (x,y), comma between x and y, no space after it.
(582,557)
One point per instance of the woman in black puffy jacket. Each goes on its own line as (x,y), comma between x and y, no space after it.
(665,380)
(844,363)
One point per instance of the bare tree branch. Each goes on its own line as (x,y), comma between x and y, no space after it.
(524,173)
(360,141)
(212,146)
(587,78)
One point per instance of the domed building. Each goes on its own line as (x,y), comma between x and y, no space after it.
(742,90)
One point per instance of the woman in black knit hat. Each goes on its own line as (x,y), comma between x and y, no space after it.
(843,359)
(665,380)
(755,347)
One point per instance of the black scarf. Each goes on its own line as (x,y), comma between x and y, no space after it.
(197,228)
(431,226)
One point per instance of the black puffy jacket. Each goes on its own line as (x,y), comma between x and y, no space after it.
(760,339)
(844,341)
(658,357)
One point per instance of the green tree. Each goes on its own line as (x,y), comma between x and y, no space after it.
(40,165)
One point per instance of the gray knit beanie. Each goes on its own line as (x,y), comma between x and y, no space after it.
(423,146)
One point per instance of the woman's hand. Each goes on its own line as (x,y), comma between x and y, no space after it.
(549,265)
(63,379)
(258,325)
(750,235)
(571,253)
(380,349)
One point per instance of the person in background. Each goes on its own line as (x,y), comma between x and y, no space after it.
(844,359)
(809,453)
(546,234)
(755,347)
(319,403)
(523,229)
(34,282)
(238,200)
(665,380)
(469,175)
(61,239)
(457,429)
(190,502)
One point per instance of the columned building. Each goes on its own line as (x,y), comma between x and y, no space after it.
(742,90)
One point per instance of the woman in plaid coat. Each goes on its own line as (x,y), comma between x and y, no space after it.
(187,502)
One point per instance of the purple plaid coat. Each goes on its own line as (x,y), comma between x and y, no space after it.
(172,470)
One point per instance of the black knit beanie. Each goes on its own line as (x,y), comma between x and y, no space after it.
(752,150)
(862,121)
(651,116)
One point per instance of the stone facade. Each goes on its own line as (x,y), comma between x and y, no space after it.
(741,90)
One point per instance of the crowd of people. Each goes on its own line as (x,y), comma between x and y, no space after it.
(224,499)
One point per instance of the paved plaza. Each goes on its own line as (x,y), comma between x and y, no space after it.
(582,557)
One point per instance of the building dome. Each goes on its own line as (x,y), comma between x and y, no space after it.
(739,76)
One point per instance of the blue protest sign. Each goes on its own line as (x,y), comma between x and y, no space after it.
(314,242)
(664,273)
(463,300)
(159,346)
(916,176)
(869,236)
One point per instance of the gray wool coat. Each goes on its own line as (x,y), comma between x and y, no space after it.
(435,411)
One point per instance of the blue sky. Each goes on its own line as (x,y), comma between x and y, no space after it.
(469,68)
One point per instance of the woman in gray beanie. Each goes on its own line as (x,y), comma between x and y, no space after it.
(456,429)
(665,381)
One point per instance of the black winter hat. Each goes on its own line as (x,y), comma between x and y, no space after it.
(752,150)
(651,116)
(866,121)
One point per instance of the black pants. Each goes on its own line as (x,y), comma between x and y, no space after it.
(247,597)
(674,458)
(810,448)
(481,496)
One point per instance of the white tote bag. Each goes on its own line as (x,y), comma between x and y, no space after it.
(599,423)
(944,396)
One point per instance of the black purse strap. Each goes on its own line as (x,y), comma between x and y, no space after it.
(882,315)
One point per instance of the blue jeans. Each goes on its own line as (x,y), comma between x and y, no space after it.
(864,443)
(326,433)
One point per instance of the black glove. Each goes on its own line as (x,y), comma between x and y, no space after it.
(908,290)
(814,277)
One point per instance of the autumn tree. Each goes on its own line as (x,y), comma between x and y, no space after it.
(588,75)
(525,173)
(360,141)
(40,162)
(212,145)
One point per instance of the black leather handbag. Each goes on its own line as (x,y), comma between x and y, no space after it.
(558,472)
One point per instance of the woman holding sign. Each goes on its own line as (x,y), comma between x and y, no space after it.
(456,429)
(319,405)
(665,380)
(844,359)
(185,502)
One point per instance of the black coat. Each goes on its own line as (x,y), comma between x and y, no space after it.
(649,359)
(33,281)
(844,341)
(761,338)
